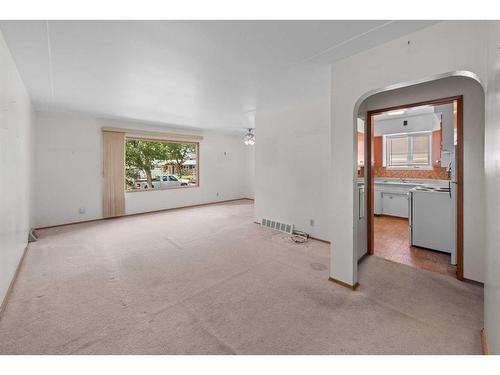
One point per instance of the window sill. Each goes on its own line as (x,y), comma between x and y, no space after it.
(165,189)
(409,168)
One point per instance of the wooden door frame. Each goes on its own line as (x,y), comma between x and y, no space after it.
(459,159)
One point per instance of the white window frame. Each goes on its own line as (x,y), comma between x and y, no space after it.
(409,166)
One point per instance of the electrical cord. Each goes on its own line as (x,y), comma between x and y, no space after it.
(299,237)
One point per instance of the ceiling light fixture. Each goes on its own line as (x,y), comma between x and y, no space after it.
(249,137)
(395,113)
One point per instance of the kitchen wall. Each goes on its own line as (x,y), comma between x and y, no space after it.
(437,172)
(69,170)
(16,160)
(492,171)
(422,122)
(292,156)
(445,47)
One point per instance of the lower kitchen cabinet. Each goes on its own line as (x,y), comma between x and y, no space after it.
(377,202)
(392,198)
(395,203)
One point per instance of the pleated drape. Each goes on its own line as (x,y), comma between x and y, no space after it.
(114,174)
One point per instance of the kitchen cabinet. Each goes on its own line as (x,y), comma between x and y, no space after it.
(391,200)
(362,248)
(447,133)
(377,202)
(395,203)
(390,196)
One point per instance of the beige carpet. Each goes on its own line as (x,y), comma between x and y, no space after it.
(208,281)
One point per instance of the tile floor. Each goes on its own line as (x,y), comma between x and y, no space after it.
(392,243)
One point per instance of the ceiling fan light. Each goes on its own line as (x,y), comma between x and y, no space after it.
(249,138)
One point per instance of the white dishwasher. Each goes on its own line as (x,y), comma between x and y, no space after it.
(431,219)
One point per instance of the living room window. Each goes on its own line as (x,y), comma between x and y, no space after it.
(160,164)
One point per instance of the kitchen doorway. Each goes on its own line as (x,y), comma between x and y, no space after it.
(414,184)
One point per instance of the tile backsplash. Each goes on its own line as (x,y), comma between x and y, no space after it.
(437,173)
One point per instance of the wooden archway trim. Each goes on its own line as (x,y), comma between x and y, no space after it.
(459,161)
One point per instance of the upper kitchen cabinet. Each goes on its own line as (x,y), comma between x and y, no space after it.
(448,126)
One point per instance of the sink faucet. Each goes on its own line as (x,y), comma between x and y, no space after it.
(402,179)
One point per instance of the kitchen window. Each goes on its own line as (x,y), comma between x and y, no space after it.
(408,150)
(160,164)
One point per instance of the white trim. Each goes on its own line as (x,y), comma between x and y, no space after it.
(407,133)
(384,150)
(169,136)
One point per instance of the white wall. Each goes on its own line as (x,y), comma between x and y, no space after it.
(492,171)
(224,172)
(15,168)
(444,47)
(69,170)
(292,157)
(250,177)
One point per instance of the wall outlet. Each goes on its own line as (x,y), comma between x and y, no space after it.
(311,222)
(81,210)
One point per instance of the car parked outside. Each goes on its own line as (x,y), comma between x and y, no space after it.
(161,182)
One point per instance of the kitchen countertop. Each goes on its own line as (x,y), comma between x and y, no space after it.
(410,182)
(406,182)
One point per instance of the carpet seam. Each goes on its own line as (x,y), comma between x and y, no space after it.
(208,328)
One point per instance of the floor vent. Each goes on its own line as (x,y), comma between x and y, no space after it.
(282,227)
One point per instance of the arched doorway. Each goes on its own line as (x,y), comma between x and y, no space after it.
(460,86)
